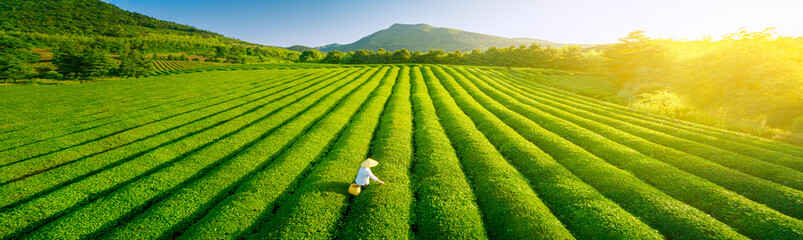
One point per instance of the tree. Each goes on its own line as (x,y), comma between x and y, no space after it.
(635,52)
(360,56)
(134,64)
(13,60)
(14,46)
(236,52)
(221,52)
(68,60)
(571,58)
(401,56)
(433,56)
(73,61)
(13,68)
(311,56)
(333,57)
(95,63)
(455,57)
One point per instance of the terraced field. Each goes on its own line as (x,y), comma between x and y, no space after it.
(466,152)
(161,66)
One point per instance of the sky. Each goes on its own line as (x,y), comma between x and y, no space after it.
(316,23)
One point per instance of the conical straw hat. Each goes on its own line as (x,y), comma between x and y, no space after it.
(369,163)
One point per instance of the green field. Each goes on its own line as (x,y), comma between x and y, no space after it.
(268,152)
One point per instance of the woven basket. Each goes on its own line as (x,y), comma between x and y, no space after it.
(354,189)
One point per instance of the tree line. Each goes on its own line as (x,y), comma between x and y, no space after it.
(534,56)
(74,61)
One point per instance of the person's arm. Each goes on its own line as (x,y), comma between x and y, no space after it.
(371,174)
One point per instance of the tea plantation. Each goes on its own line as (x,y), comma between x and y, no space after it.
(268,152)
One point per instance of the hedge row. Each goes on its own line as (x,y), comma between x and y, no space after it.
(39,140)
(127,108)
(117,207)
(445,206)
(776,196)
(118,103)
(314,209)
(55,152)
(171,215)
(586,212)
(43,183)
(670,217)
(156,161)
(698,128)
(502,192)
(384,212)
(240,213)
(693,145)
(749,218)
(775,152)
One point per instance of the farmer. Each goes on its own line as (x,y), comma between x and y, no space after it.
(365,173)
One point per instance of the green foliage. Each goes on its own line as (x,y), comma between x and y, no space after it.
(566,58)
(746,76)
(83,17)
(244,107)
(445,206)
(293,120)
(333,57)
(11,46)
(263,188)
(673,218)
(53,23)
(574,202)
(748,217)
(384,212)
(14,58)
(310,56)
(13,68)
(705,164)
(636,53)
(315,208)
(401,56)
(662,102)
(267,151)
(502,192)
(82,62)
(135,64)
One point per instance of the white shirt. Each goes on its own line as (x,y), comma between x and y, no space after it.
(362,176)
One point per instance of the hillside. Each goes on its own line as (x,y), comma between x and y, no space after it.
(84,17)
(49,23)
(423,37)
(268,152)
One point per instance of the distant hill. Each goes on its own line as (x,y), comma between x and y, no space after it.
(423,37)
(299,48)
(48,23)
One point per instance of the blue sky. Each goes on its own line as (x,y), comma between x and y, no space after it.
(316,23)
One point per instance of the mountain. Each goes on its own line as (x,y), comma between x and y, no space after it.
(423,37)
(50,23)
